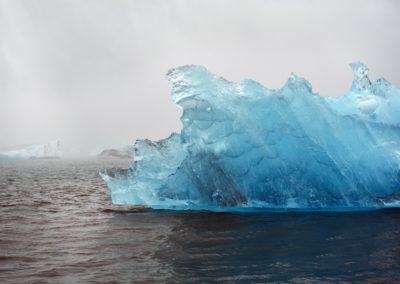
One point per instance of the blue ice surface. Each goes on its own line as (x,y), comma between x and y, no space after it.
(244,147)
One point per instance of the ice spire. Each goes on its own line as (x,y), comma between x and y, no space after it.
(361,80)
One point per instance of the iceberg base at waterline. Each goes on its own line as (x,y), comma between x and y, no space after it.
(245,146)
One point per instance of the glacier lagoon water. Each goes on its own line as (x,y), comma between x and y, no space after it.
(243,146)
(58,225)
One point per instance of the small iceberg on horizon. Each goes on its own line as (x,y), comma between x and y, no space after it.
(245,146)
(50,150)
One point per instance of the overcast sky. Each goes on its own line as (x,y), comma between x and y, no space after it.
(92,73)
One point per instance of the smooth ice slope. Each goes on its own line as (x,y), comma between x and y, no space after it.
(243,145)
(40,151)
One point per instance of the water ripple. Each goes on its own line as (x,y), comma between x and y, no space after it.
(57,225)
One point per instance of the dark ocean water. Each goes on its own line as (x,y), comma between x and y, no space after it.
(57,225)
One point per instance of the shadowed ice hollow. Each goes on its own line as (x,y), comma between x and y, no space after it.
(245,146)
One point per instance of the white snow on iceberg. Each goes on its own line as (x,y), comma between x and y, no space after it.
(244,146)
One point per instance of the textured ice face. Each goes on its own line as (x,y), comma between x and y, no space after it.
(244,146)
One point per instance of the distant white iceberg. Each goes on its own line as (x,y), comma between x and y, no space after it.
(39,151)
(244,146)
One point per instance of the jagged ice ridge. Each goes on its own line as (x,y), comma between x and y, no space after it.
(245,146)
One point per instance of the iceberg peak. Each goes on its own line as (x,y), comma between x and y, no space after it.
(361,80)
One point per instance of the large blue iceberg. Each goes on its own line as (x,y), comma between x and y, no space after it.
(245,146)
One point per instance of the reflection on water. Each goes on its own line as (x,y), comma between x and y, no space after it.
(286,247)
(57,225)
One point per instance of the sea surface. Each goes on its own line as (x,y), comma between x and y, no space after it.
(57,225)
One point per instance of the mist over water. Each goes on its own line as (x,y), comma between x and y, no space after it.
(92,74)
(58,225)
